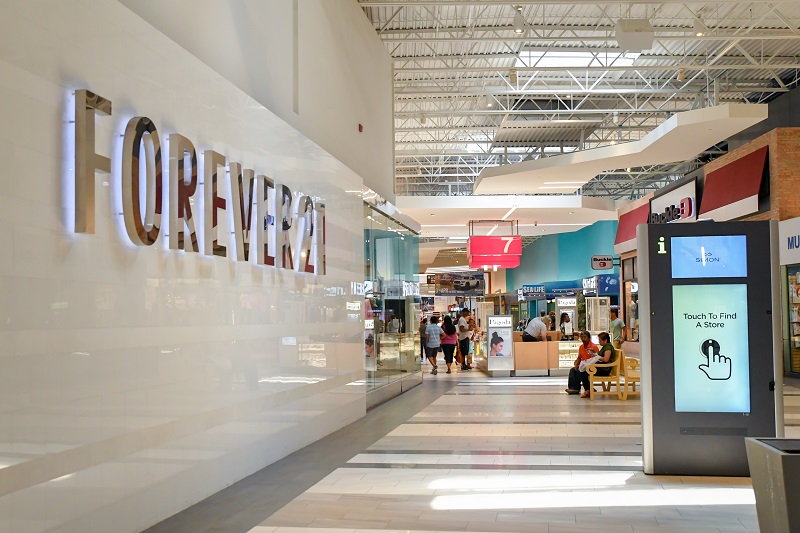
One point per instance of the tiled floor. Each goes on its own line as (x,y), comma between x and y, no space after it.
(504,455)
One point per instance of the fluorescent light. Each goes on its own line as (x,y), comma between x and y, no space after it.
(509,213)
(534,225)
(492,230)
(564,182)
(443,225)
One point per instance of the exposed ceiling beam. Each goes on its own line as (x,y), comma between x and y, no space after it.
(480,3)
(690,91)
(609,68)
(761,35)
(530,112)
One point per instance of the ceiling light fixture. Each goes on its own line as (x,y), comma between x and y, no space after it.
(512,76)
(699,28)
(513,208)
(519,21)
(681,75)
(423,119)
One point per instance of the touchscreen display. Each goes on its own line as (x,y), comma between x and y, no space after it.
(712,354)
(719,256)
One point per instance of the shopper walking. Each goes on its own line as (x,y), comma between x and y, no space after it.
(433,342)
(423,325)
(617,330)
(465,329)
(449,341)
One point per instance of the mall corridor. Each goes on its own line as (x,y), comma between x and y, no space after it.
(468,453)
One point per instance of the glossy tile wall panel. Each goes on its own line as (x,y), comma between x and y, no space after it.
(134,381)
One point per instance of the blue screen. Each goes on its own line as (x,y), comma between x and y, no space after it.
(719,256)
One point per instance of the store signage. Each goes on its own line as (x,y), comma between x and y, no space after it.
(500,343)
(677,205)
(369,323)
(270,224)
(353,306)
(501,321)
(533,290)
(789,236)
(602,262)
(357,288)
(590,284)
(487,262)
(567,302)
(489,251)
(607,284)
(494,245)
(401,289)
(410,288)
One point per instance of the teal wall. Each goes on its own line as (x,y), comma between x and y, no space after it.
(565,256)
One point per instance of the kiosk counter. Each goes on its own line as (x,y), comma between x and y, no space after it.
(552,357)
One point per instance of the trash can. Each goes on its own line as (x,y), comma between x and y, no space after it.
(775,471)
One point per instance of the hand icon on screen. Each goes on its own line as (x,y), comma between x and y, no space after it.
(717,367)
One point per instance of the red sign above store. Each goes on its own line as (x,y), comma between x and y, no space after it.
(491,245)
(493,252)
(487,262)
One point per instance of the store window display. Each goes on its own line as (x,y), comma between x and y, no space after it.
(793,293)
(392,302)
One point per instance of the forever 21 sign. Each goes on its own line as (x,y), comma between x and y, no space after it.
(267,224)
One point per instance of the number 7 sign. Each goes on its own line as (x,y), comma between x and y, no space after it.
(494,245)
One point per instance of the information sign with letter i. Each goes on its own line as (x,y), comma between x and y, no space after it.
(711,344)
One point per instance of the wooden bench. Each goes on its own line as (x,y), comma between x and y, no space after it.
(632,376)
(606,382)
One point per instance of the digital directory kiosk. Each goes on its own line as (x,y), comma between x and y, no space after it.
(710,337)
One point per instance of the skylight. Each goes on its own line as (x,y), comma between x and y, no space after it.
(567,59)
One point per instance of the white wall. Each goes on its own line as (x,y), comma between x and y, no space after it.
(343,71)
(137,381)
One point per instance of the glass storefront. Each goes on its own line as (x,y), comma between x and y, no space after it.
(630,295)
(793,293)
(392,301)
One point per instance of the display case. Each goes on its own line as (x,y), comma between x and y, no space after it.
(567,353)
(597,313)
(793,294)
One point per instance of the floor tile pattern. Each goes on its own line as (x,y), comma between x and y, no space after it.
(464,452)
(518,455)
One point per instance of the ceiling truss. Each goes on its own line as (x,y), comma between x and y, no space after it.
(462,73)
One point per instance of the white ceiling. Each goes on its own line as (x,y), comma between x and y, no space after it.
(681,137)
(444,216)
